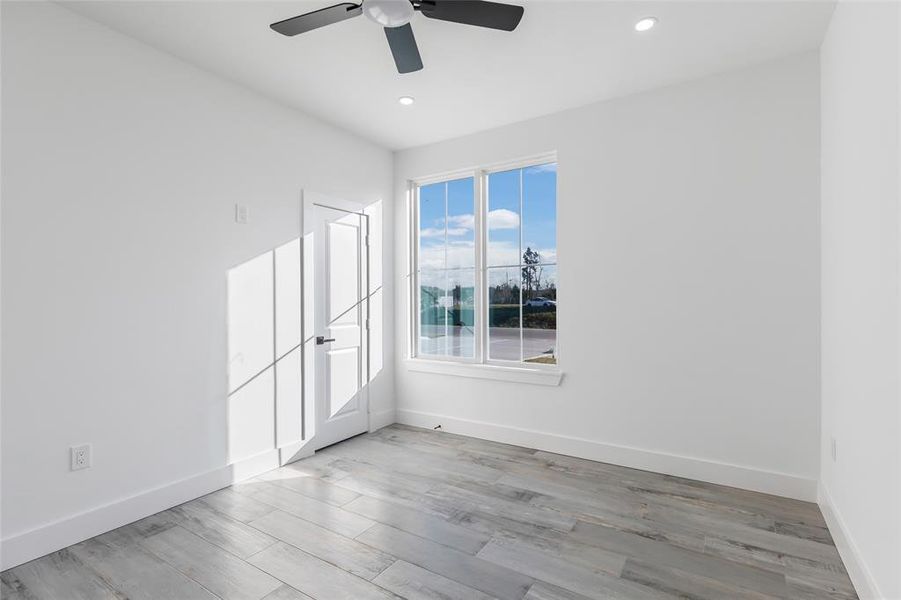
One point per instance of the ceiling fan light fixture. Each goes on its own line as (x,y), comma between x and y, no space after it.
(395,15)
(645,24)
(389,13)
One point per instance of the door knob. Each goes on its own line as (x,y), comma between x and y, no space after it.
(320,339)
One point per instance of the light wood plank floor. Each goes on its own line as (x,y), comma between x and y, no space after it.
(412,513)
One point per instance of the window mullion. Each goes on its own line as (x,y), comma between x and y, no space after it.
(415,300)
(447,340)
(519,272)
(481,283)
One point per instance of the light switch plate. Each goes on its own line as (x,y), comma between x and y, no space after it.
(242,214)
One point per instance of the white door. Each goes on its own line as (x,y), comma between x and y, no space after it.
(339,336)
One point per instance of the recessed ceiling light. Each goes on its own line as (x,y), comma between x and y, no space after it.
(406,100)
(646,23)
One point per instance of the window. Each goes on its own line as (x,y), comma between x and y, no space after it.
(485,267)
(447,261)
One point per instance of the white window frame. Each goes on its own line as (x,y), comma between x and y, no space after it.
(479,365)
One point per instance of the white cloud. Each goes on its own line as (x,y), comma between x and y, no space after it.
(461,221)
(548,255)
(457,225)
(502,218)
(436,255)
(431,232)
(456,254)
(460,253)
(431,258)
(435,232)
(507,253)
(503,253)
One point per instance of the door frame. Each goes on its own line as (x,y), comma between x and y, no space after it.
(310,200)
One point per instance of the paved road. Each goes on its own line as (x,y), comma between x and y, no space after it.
(503,341)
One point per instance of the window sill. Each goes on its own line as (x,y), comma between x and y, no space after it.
(550,377)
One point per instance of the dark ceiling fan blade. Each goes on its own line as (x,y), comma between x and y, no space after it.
(317,18)
(403,47)
(474,12)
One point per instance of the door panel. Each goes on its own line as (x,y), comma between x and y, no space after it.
(343,276)
(342,390)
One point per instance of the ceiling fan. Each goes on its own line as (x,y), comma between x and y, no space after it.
(395,16)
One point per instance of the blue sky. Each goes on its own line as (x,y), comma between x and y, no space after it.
(538,218)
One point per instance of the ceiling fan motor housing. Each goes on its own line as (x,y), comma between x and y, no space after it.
(389,13)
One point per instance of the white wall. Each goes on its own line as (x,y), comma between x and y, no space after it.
(121,170)
(689,281)
(861,246)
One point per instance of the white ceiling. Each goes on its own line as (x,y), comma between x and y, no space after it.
(564,54)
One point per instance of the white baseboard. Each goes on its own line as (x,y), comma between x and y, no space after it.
(294,452)
(860,575)
(382,418)
(769,482)
(48,538)
(56,535)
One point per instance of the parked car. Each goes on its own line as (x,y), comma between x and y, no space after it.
(541,301)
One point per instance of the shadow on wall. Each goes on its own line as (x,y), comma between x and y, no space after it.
(266,405)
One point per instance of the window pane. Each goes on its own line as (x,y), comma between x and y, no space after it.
(432,315)
(503,218)
(431,226)
(461,313)
(504,314)
(460,224)
(539,318)
(539,213)
(446,319)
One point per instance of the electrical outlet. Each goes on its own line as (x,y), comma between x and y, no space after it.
(80,457)
(834,450)
(242,214)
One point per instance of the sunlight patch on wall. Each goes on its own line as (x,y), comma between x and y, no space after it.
(265,407)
